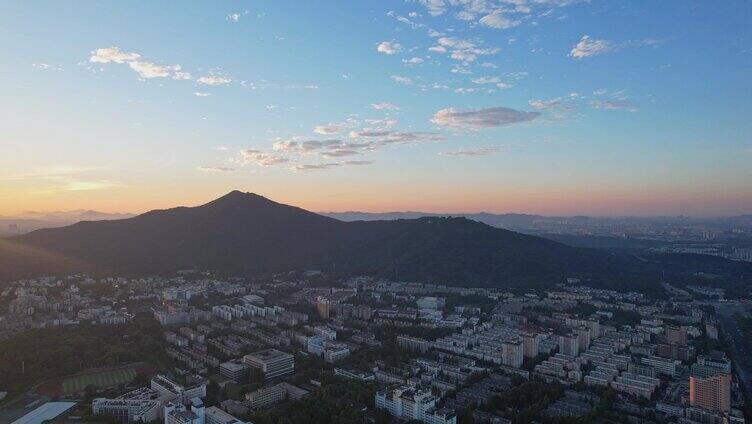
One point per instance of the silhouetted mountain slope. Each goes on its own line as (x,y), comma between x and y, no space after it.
(246,234)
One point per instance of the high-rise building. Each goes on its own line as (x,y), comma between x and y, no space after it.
(530,345)
(512,353)
(583,338)
(271,362)
(569,345)
(712,393)
(323,306)
(676,336)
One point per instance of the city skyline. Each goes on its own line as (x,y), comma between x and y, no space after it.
(552,107)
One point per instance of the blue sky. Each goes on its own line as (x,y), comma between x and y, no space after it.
(541,106)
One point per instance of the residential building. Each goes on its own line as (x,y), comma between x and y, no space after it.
(712,393)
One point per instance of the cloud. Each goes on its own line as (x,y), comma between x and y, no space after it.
(413,61)
(434,7)
(406,20)
(296,145)
(261,158)
(434,33)
(498,20)
(386,122)
(481,118)
(401,80)
(321,166)
(328,129)
(384,106)
(588,47)
(144,69)
(62,178)
(486,80)
(613,105)
(539,104)
(200,94)
(493,13)
(316,167)
(151,70)
(481,151)
(89,185)
(339,153)
(461,49)
(388,47)
(112,54)
(214,80)
(233,17)
(215,169)
(47,67)
(386,137)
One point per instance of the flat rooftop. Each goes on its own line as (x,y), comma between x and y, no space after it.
(269,355)
(45,412)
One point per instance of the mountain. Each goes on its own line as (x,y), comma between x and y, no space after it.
(509,220)
(518,221)
(30,221)
(246,234)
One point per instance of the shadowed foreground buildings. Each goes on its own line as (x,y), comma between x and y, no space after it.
(175,403)
(413,404)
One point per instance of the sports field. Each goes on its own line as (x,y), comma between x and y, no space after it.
(100,380)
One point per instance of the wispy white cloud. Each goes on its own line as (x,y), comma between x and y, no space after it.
(258,157)
(401,79)
(329,165)
(384,106)
(588,47)
(113,54)
(498,20)
(145,69)
(481,151)
(413,61)
(406,20)
(62,178)
(215,169)
(389,47)
(461,49)
(475,119)
(613,105)
(47,67)
(331,128)
(201,94)
(434,7)
(214,80)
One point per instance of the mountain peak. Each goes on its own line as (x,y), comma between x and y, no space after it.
(237,197)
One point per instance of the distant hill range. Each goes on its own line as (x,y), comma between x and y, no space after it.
(30,221)
(247,234)
(519,221)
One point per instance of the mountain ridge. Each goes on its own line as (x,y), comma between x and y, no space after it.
(248,234)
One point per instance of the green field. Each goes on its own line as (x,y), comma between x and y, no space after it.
(100,380)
